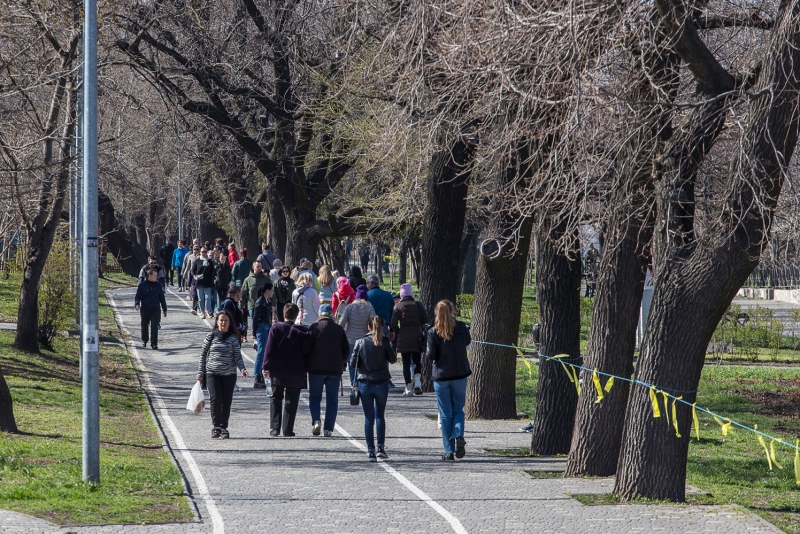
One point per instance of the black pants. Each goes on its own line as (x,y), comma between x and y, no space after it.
(193,289)
(220,391)
(150,319)
(289,408)
(181,282)
(279,311)
(170,275)
(222,292)
(407,359)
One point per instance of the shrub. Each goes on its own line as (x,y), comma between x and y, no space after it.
(56,298)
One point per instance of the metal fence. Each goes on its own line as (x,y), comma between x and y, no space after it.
(776,276)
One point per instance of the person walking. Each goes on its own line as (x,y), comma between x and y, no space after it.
(267,257)
(186,272)
(233,256)
(447,349)
(381,300)
(284,366)
(327,285)
(222,278)
(241,269)
(219,360)
(177,264)
(262,321)
(250,288)
(203,272)
(325,364)
(284,288)
(149,301)
(307,300)
(275,273)
(371,358)
(165,255)
(355,321)
(306,267)
(407,323)
(343,296)
(355,277)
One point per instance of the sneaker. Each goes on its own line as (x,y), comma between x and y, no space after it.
(255,345)
(417,385)
(274,433)
(372,457)
(224,434)
(327,433)
(448,457)
(237,388)
(316,428)
(144,344)
(382,453)
(259,384)
(460,447)
(215,432)
(154,347)
(407,392)
(194,312)
(527,428)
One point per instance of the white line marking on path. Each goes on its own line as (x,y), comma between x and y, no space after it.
(202,488)
(450,518)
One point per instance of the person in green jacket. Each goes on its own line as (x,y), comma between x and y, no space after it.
(250,288)
(241,269)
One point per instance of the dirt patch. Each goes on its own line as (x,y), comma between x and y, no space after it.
(783,399)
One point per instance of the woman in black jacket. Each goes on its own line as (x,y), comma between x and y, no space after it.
(262,321)
(371,357)
(222,278)
(149,298)
(447,349)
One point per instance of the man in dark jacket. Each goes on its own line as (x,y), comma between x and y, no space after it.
(165,254)
(325,364)
(149,298)
(284,365)
(408,319)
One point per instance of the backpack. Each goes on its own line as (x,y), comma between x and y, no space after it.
(340,309)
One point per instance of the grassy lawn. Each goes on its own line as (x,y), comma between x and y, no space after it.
(731,469)
(40,468)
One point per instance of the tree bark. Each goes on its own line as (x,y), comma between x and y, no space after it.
(558,283)
(7,421)
(277,224)
(129,254)
(697,279)
(469,267)
(491,391)
(443,226)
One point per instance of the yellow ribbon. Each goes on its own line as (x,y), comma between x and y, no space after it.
(666,406)
(654,402)
(576,381)
(609,383)
(772,454)
(597,386)
(525,361)
(725,426)
(573,376)
(675,416)
(797,461)
(761,441)
(695,422)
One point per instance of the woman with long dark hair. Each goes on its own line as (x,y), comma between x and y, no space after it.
(371,358)
(219,360)
(447,349)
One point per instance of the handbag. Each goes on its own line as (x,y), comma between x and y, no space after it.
(422,342)
(355,394)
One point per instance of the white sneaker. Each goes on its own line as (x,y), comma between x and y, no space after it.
(408,391)
(328,433)
(417,385)
(315,429)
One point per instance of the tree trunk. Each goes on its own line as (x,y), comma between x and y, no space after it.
(558,283)
(247,227)
(402,270)
(7,421)
(443,226)
(469,267)
(696,280)
(298,245)
(129,254)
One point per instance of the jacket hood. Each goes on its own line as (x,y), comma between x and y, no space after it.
(355,270)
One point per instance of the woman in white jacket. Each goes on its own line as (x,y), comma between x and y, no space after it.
(307,300)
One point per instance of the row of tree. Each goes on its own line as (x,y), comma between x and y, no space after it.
(447,126)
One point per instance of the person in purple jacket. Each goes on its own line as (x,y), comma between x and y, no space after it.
(284,365)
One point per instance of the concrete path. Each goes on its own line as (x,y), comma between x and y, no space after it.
(303,484)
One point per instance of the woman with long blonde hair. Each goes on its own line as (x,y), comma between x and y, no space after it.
(371,358)
(447,349)
(327,285)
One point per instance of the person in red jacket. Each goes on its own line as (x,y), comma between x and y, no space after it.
(233,256)
(343,294)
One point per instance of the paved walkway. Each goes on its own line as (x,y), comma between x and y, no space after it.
(256,483)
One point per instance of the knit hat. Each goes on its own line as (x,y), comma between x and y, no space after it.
(362,293)
(325,310)
(342,281)
(405,291)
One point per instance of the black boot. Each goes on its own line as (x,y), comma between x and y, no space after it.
(258,382)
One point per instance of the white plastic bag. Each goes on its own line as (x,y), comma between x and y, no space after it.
(197,400)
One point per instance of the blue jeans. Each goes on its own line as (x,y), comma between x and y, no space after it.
(351,369)
(261,343)
(451,396)
(206,304)
(315,385)
(373,400)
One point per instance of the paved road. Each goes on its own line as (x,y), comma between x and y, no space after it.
(256,483)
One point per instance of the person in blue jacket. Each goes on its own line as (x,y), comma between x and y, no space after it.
(149,298)
(177,263)
(382,301)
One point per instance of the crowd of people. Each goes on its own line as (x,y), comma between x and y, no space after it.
(309,325)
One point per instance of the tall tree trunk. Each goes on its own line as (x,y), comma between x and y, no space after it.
(697,279)
(298,245)
(491,391)
(469,267)
(558,283)
(129,254)
(443,226)
(7,421)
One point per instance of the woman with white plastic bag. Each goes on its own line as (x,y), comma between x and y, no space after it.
(219,360)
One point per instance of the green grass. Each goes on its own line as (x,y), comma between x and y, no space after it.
(9,296)
(40,468)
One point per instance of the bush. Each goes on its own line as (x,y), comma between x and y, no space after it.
(464,306)
(56,298)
